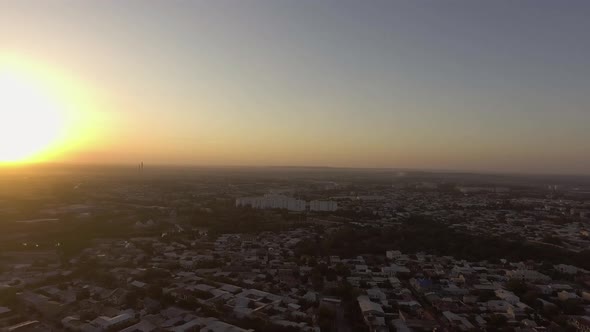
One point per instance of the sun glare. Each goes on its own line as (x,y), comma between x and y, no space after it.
(30,120)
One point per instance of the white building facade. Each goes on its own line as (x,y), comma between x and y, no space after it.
(273,201)
(323,206)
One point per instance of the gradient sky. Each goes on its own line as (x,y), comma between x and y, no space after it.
(468,85)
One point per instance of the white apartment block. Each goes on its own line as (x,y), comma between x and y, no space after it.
(272,201)
(323,206)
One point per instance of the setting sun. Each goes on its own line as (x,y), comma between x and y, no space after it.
(30,120)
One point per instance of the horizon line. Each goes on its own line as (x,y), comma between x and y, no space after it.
(192,165)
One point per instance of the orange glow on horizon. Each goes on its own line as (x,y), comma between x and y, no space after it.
(42,114)
(31,120)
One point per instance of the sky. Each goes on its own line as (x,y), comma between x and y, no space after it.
(500,86)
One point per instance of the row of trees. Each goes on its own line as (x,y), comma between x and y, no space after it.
(423,234)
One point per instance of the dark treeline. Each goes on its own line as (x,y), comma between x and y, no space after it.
(225,218)
(421,234)
(68,236)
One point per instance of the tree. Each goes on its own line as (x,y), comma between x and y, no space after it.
(530,297)
(516,286)
(82,294)
(317,281)
(155,292)
(326,319)
(498,321)
(552,240)
(131,299)
(342,270)
(331,275)
(572,307)
(8,297)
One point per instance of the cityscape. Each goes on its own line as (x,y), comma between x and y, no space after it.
(293,249)
(294,166)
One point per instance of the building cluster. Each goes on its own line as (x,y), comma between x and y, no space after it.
(472,190)
(423,292)
(271,201)
(563,223)
(160,284)
(189,283)
(163,270)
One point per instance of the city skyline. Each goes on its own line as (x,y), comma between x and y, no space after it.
(455,85)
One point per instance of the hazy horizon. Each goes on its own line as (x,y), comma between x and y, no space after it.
(496,86)
(132,166)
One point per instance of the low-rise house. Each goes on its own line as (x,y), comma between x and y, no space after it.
(394,269)
(330,302)
(119,321)
(376,294)
(507,296)
(421,285)
(42,304)
(458,322)
(369,307)
(565,295)
(27,326)
(214,325)
(138,284)
(498,305)
(581,323)
(142,326)
(528,275)
(5,312)
(518,311)
(566,269)
(116,297)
